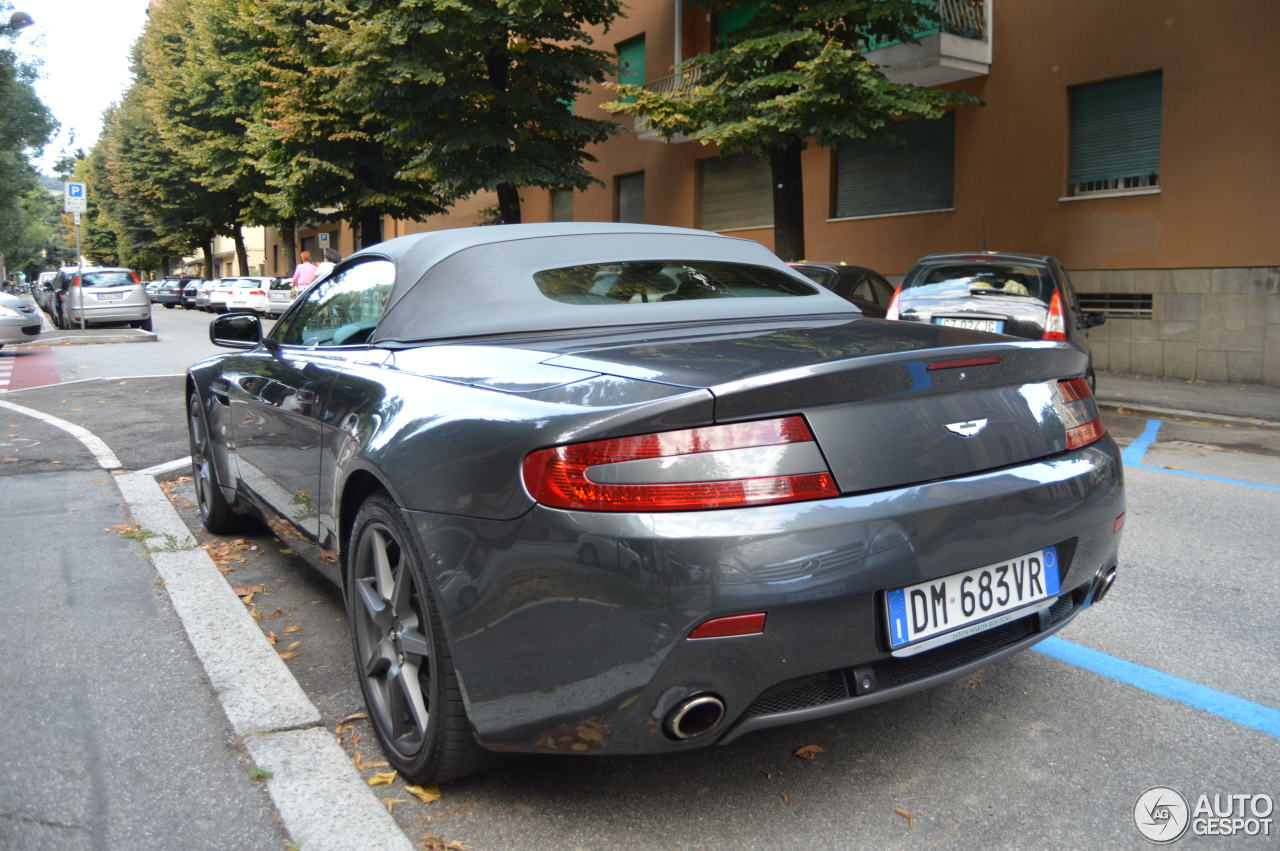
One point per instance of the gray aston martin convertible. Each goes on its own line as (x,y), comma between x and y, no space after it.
(609,488)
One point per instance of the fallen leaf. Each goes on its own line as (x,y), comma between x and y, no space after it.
(286,551)
(438,843)
(291,628)
(425,794)
(294,645)
(247,599)
(247,590)
(255,612)
(289,655)
(13,435)
(355,738)
(808,751)
(94,481)
(786,799)
(365,764)
(7,460)
(271,638)
(354,716)
(390,803)
(383,778)
(906,815)
(55,462)
(974,683)
(277,613)
(118,472)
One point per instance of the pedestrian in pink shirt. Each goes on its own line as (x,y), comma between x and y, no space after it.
(304,274)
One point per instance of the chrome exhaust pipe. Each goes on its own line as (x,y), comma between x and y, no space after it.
(1102,585)
(694,716)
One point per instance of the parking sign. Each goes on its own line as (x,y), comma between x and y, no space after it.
(76,199)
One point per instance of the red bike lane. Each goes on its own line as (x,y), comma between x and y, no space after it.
(23,368)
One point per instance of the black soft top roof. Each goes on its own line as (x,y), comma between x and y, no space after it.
(479,281)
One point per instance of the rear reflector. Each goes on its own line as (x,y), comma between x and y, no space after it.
(722,466)
(752,624)
(1119,523)
(954,364)
(256,292)
(1079,413)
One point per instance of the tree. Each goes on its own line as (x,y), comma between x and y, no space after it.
(793,72)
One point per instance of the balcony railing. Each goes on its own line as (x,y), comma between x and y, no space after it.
(964,18)
(675,82)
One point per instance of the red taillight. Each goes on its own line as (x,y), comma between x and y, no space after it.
(75,282)
(256,292)
(1054,327)
(687,470)
(1079,413)
(1118,523)
(892,312)
(135,277)
(962,362)
(752,624)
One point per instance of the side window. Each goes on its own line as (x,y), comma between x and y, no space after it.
(343,309)
(882,289)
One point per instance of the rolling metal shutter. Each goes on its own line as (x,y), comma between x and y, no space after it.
(1115,131)
(737,192)
(877,177)
(631,198)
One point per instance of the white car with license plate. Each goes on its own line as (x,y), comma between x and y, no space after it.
(244,294)
(19,321)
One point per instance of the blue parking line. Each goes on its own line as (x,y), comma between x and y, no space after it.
(1132,454)
(1203,476)
(1255,716)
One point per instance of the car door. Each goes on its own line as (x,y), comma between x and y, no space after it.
(279,397)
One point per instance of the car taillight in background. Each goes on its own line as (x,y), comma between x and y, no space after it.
(724,466)
(892,312)
(1054,326)
(257,292)
(1079,412)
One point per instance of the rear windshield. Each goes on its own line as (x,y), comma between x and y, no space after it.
(281,283)
(979,278)
(818,274)
(106,279)
(648,281)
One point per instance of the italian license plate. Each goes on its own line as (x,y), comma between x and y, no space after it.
(993,326)
(110,296)
(967,603)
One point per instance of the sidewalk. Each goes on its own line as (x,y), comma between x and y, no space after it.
(50,335)
(1250,403)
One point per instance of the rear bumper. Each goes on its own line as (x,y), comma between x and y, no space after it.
(108,312)
(562,621)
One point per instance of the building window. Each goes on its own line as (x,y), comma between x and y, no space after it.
(631,198)
(1115,135)
(561,205)
(735,192)
(631,64)
(876,178)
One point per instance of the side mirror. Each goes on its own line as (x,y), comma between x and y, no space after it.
(236,331)
(1093,320)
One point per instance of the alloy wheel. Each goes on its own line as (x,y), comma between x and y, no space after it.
(393,653)
(200,462)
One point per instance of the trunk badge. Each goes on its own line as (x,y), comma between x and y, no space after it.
(968,428)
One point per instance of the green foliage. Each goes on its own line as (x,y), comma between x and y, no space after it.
(791,73)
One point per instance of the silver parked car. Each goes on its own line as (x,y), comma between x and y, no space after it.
(202,294)
(19,321)
(100,294)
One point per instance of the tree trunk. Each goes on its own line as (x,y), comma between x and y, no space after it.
(508,204)
(242,254)
(788,202)
(370,228)
(288,236)
(206,246)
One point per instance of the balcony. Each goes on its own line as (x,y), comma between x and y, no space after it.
(957,49)
(674,82)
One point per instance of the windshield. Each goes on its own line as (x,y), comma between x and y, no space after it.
(107,279)
(647,281)
(979,278)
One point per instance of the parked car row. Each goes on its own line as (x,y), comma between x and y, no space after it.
(93,295)
(264,295)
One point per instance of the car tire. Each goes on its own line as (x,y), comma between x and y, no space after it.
(168,306)
(147,324)
(402,656)
(216,513)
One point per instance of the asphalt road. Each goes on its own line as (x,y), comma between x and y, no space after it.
(1031,752)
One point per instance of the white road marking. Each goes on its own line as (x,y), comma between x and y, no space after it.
(100,451)
(167,467)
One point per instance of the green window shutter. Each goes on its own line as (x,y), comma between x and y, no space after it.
(562,205)
(631,198)
(631,63)
(1115,131)
(876,177)
(736,192)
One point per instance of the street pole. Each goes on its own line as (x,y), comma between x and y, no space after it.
(79,268)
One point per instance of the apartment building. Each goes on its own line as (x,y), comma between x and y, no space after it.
(1139,142)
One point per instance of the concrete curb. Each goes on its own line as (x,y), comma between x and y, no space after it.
(1155,411)
(138,336)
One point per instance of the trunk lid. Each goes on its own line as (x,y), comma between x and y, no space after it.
(879,396)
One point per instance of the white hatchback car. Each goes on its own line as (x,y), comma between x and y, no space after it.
(19,321)
(246,294)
